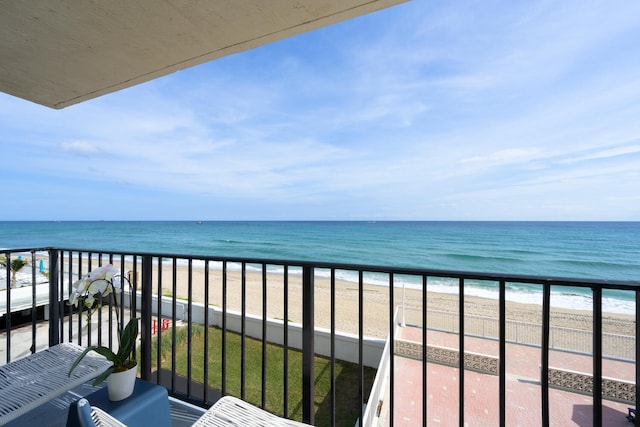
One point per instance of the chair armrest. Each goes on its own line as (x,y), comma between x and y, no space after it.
(231,411)
(92,416)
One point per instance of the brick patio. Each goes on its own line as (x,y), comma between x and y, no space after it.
(481,390)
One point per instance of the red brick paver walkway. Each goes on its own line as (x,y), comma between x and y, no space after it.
(523,395)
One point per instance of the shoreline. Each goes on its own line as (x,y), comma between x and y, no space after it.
(613,305)
(559,300)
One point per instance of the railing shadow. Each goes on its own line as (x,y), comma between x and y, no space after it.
(346,410)
(180,384)
(583,416)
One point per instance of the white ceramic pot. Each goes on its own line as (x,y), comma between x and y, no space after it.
(120,384)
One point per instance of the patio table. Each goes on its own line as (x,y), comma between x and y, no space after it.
(148,405)
(40,377)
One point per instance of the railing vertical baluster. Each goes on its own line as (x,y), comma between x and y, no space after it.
(174,308)
(110,335)
(132,292)
(333,347)
(100,311)
(99,322)
(59,272)
(80,305)
(69,281)
(243,333)
(134,295)
(264,336)
(637,348)
(285,339)
(89,326)
(8,315)
(361,340)
(308,348)
(503,353)
(145,314)
(34,310)
(189,324)
(224,328)
(54,304)
(544,357)
(597,356)
(158,348)
(424,350)
(205,356)
(461,333)
(392,343)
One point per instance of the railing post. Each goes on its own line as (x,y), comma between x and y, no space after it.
(54,305)
(597,356)
(502,375)
(308,350)
(145,314)
(637,349)
(544,357)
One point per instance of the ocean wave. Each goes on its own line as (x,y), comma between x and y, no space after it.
(482,258)
(594,264)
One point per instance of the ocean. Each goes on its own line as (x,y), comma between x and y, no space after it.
(593,250)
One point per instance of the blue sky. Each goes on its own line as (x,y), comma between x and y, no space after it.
(430,110)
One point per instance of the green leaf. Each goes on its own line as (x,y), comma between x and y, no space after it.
(128,339)
(103,376)
(82,355)
(106,352)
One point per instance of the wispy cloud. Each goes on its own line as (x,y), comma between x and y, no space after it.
(82,148)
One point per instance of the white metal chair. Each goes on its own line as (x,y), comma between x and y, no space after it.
(226,412)
(91,416)
(231,411)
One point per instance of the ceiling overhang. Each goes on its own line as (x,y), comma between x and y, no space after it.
(59,53)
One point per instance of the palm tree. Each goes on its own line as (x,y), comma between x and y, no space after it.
(16,265)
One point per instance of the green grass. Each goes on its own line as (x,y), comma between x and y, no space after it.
(347,374)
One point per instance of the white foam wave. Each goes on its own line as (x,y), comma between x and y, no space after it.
(515,293)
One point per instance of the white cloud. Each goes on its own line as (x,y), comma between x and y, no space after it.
(512,155)
(82,148)
(605,154)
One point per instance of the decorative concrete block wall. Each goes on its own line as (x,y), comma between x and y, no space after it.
(447,356)
(579,382)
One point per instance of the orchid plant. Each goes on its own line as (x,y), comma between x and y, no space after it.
(89,293)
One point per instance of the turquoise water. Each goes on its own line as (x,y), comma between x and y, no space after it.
(595,250)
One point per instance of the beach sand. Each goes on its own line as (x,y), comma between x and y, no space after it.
(375,303)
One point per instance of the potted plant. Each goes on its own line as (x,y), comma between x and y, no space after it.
(90,293)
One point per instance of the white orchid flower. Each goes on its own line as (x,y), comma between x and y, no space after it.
(98,287)
(100,281)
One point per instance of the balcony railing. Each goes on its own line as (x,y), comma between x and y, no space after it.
(242,295)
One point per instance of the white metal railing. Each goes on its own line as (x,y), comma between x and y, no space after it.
(614,346)
(378,390)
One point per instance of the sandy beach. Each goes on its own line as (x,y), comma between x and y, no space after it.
(375,303)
